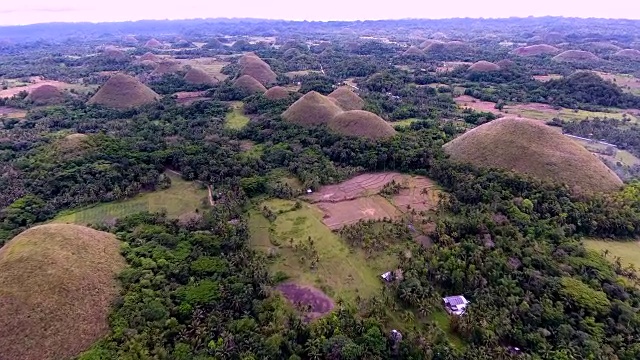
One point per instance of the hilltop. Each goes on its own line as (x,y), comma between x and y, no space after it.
(347,99)
(57,283)
(312,109)
(122,91)
(533,148)
(361,124)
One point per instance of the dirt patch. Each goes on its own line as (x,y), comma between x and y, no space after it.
(545,78)
(467,101)
(340,214)
(359,186)
(12,112)
(628,83)
(312,301)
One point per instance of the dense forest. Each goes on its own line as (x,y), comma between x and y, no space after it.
(197,290)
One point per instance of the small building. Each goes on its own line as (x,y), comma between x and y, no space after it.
(388,276)
(309,191)
(455,305)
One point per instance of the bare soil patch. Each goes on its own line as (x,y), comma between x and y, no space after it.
(12,112)
(418,193)
(467,101)
(340,214)
(359,186)
(315,301)
(545,78)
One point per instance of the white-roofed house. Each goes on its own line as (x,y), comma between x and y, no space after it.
(455,305)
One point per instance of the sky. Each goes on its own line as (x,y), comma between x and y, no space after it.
(20,12)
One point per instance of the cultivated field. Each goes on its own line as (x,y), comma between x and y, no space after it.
(628,83)
(188,97)
(212,66)
(357,198)
(236,119)
(342,213)
(181,198)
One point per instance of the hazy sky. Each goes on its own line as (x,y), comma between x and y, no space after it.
(14,12)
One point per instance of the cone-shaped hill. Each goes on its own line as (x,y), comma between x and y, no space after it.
(533,148)
(575,56)
(534,50)
(122,91)
(249,84)
(347,99)
(57,284)
(277,93)
(312,109)
(257,69)
(413,51)
(484,66)
(46,95)
(199,76)
(153,44)
(150,57)
(361,123)
(628,54)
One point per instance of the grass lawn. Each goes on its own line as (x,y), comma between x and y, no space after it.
(236,119)
(628,251)
(182,197)
(441,318)
(341,271)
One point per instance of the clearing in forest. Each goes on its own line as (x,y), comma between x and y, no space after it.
(627,251)
(181,198)
(628,83)
(357,198)
(324,262)
(236,119)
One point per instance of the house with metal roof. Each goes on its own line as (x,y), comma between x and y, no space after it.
(455,305)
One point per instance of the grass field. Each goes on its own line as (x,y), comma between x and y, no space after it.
(340,272)
(628,251)
(441,318)
(404,123)
(182,197)
(236,119)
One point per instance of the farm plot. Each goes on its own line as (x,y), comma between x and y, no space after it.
(418,193)
(342,213)
(359,186)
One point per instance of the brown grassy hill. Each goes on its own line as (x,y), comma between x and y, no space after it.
(57,283)
(312,109)
(167,67)
(630,54)
(153,44)
(361,124)
(484,66)
(249,84)
(605,47)
(533,148)
(122,91)
(413,51)
(347,99)
(46,95)
(113,53)
(248,57)
(259,70)
(425,44)
(150,57)
(130,39)
(72,145)
(575,56)
(277,93)
(447,47)
(199,76)
(534,50)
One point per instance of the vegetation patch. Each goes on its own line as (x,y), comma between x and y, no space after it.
(182,197)
(57,283)
(236,119)
(627,253)
(308,252)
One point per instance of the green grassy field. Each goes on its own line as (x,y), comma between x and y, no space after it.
(182,197)
(628,251)
(405,122)
(236,119)
(441,318)
(341,271)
